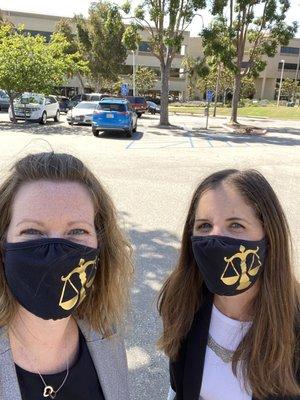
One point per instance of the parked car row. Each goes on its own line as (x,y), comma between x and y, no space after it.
(106,114)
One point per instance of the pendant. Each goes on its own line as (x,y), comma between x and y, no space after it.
(49,391)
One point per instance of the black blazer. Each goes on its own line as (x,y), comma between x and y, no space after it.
(187,371)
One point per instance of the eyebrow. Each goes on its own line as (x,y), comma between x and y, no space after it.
(42,225)
(228,219)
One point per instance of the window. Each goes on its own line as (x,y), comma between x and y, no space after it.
(47,35)
(289,66)
(245,64)
(112,107)
(289,50)
(145,47)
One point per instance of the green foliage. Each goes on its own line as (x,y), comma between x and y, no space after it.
(100,41)
(165,23)
(247,87)
(209,81)
(145,79)
(131,37)
(289,88)
(28,63)
(260,36)
(194,68)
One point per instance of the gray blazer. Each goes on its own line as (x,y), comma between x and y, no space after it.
(108,355)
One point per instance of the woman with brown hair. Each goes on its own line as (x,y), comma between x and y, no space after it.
(230,308)
(65,273)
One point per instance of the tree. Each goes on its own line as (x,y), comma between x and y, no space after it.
(65,28)
(248,88)
(228,38)
(209,81)
(145,79)
(165,23)
(193,68)
(100,42)
(28,63)
(288,88)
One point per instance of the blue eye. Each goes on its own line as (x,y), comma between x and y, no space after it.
(236,225)
(78,232)
(30,232)
(203,227)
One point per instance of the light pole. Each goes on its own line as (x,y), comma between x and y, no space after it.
(280,84)
(133,72)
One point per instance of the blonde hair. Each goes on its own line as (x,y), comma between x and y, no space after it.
(104,307)
(269,352)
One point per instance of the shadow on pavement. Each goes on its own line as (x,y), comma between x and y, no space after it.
(155,255)
(214,134)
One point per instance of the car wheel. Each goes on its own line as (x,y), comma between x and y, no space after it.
(129,132)
(95,132)
(139,115)
(43,119)
(57,116)
(70,123)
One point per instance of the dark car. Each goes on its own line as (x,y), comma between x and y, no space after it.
(138,104)
(153,108)
(4,100)
(64,104)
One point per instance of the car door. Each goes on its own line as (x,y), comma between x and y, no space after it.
(51,106)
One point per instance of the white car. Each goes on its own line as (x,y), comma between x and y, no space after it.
(82,113)
(38,108)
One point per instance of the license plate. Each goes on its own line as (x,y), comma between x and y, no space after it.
(79,118)
(109,115)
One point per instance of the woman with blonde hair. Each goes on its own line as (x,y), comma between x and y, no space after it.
(230,308)
(65,273)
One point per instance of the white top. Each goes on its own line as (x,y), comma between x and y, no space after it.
(219,382)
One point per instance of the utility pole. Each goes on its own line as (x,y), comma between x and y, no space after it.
(133,72)
(280,84)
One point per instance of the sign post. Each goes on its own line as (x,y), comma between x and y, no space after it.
(209,97)
(124,89)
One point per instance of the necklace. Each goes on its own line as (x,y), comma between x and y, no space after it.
(48,389)
(220,351)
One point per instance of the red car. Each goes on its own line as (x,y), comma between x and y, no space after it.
(138,104)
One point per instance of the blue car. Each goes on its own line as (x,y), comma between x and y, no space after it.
(113,114)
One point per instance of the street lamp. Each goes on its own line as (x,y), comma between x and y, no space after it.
(133,72)
(280,84)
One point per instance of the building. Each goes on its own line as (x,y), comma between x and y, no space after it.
(267,83)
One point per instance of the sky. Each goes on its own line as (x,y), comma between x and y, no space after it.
(67,8)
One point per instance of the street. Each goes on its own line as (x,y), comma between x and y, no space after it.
(151,178)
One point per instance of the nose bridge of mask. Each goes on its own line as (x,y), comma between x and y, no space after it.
(56,274)
(232,262)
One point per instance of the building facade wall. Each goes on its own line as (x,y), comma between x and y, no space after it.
(266,84)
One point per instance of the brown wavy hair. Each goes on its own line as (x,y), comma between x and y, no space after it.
(105,305)
(269,353)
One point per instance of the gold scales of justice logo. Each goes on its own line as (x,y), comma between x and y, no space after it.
(245,270)
(85,283)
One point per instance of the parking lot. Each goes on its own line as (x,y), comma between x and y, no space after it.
(151,178)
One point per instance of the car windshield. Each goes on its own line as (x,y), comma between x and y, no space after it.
(112,107)
(31,98)
(86,104)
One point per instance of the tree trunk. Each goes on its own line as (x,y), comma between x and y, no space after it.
(11,103)
(164,100)
(235,98)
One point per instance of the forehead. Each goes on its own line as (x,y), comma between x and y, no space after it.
(225,199)
(43,199)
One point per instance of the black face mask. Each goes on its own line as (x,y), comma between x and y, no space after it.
(228,266)
(50,277)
